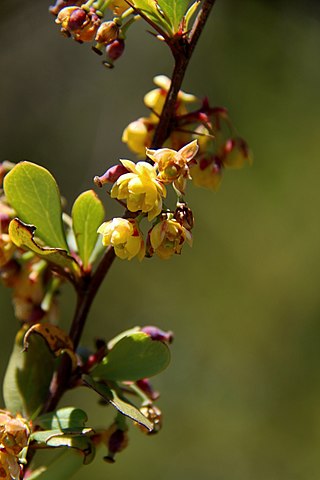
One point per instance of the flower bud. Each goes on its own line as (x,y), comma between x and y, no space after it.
(124,236)
(184,216)
(107,32)
(156,334)
(77,19)
(145,385)
(110,176)
(115,49)
(116,442)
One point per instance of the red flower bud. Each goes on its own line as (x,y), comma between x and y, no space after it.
(156,334)
(115,49)
(111,175)
(77,19)
(147,388)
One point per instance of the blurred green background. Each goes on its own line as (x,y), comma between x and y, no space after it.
(241,396)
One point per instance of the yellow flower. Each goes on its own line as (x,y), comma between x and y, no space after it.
(14,433)
(172,164)
(124,236)
(138,135)
(206,173)
(140,188)
(156,98)
(167,237)
(9,466)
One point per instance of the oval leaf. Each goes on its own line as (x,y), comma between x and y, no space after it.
(64,418)
(132,358)
(87,215)
(28,376)
(33,192)
(22,236)
(57,340)
(174,12)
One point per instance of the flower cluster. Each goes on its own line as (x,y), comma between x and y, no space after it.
(14,437)
(202,143)
(220,146)
(83,21)
(142,190)
(139,133)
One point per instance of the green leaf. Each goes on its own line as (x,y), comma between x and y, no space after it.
(64,418)
(45,436)
(28,376)
(134,357)
(63,467)
(124,407)
(87,215)
(79,442)
(72,437)
(33,192)
(22,235)
(150,9)
(189,14)
(174,11)
(121,335)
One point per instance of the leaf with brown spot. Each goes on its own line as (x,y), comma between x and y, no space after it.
(57,340)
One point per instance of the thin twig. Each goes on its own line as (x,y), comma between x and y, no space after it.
(182,49)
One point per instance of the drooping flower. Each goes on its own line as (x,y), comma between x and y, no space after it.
(140,188)
(173,165)
(155,98)
(124,236)
(207,172)
(138,135)
(167,238)
(79,23)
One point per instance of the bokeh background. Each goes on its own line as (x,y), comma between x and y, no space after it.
(241,396)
